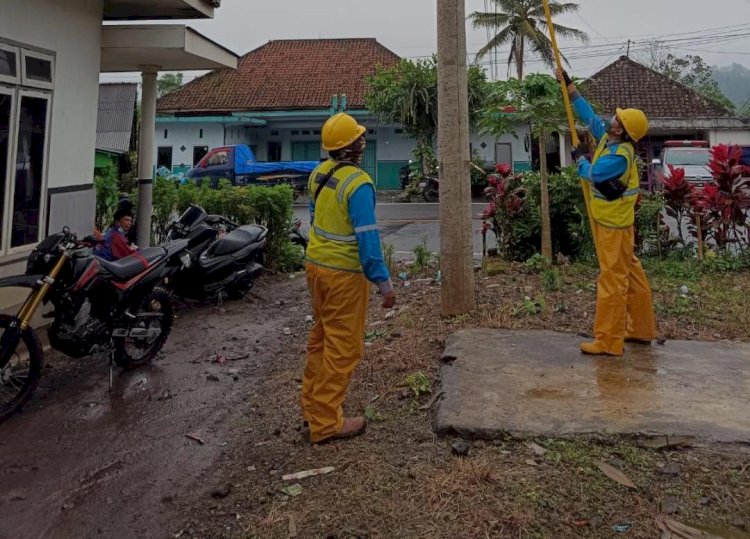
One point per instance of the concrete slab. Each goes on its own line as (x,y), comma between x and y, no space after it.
(498,382)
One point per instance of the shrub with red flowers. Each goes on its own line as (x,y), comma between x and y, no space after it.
(504,214)
(723,204)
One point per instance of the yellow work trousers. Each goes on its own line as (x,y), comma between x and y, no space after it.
(335,346)
(623,295)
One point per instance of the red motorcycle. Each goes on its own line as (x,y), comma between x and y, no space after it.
(97,305)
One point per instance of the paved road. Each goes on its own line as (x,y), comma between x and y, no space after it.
(406,225)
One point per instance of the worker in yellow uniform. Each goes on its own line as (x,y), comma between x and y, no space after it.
(624,309)
(343,256)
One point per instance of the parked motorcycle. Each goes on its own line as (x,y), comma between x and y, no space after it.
(226,256)
(298,236)
(97,305)
(430,188)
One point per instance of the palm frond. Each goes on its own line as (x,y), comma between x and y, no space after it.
(540,44)
(555,8)
(488,20)
(565,31)
(501,38)
(511,6)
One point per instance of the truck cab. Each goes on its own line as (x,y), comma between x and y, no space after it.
(691,155)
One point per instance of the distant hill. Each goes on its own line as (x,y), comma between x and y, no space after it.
(734,81)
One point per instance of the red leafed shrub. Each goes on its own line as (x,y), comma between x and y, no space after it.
(723,204)
(678,193)
(507,199)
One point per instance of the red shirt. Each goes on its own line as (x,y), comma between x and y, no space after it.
(120,245)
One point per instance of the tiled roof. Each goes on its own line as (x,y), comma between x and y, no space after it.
(628,84)
(285,75)
(114,123)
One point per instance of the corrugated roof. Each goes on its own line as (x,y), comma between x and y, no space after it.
(628,84)
(114,124)
(286,75)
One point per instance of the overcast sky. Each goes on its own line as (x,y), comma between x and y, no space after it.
(722,27)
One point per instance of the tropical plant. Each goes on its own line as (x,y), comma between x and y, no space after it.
(652,235)
(407,94)
(105,185)
(535,101)
(724,203)
(677,193)
(167,83)
(513,215)
(523,24)
(509,215)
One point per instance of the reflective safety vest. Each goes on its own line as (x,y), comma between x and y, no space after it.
(619,213)
(333,243)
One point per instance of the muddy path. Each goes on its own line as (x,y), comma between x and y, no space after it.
(83,462)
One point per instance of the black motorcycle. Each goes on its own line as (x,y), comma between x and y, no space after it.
(226,256)
(97,305)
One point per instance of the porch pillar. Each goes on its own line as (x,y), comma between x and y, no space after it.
(146,154)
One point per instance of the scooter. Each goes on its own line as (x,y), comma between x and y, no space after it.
(226,257)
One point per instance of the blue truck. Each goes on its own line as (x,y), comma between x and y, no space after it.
(237,164)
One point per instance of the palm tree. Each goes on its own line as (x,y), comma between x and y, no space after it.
(522,23)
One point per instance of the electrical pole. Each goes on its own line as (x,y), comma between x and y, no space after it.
(456,245)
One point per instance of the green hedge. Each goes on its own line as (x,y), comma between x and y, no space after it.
(267,206)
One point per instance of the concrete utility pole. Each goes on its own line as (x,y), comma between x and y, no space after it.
(456,245)
(146,155)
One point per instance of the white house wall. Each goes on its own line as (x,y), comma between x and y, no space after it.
(741,137)
(178,136)
(392,145)
(71,32)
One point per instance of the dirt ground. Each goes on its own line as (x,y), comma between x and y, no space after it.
(399,480)
(82,463)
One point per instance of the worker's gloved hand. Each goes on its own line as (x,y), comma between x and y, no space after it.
(562,75)
(580,152)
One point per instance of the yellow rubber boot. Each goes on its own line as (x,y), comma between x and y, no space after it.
(597,348)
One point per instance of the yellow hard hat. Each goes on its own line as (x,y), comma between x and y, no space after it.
(340,131)
(634,122)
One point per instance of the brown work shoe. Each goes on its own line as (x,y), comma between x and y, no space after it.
(353,426)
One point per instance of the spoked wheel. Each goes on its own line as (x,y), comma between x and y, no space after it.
(147,332)
(19,371)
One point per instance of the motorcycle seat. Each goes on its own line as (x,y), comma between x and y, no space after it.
(130,266)
(236,240)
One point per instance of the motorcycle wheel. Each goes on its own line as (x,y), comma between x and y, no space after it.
(430,193)
(19,373)
(131,353)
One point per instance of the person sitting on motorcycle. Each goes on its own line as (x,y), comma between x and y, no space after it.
(116,244)
(126,204)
